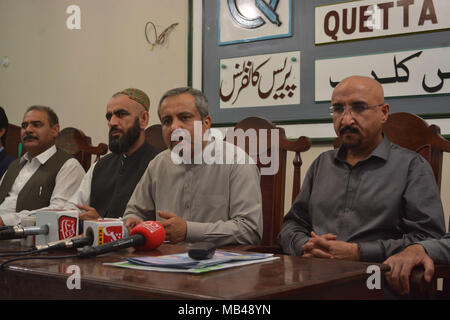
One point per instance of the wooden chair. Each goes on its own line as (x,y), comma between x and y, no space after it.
(412,132)
(13,141)
(273,186)
(75,142)
(153,136)
(443,271)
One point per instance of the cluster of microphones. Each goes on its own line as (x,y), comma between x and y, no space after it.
(98,237)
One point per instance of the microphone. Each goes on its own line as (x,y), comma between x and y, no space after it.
(105,230)
(146,235)
(75,242)
(96,232)
(48,226)
(63,224)
(18,232)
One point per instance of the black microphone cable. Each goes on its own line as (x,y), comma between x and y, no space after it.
(62,244)
(18,252)
(14,252)
(76,242)
(88,251)
(33,251)
(3,264)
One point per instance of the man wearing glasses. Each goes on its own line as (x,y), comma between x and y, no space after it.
(367,199)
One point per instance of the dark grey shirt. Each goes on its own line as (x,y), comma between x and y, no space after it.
(383,203)
(438,250)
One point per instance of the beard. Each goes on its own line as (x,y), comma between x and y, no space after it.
(350,141)
(122,144)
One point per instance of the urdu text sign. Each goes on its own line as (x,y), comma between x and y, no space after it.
(403,73)
(259,81)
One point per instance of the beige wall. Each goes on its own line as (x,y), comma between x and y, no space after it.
(76,71)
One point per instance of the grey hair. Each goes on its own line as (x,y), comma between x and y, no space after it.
(201,102)
(52,117)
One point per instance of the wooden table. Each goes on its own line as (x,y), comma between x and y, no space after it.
(284,278)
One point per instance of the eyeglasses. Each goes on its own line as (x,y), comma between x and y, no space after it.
(357,108)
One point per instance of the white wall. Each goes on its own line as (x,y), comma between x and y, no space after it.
(76,71)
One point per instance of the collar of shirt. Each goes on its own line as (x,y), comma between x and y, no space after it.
(2,148)
(381,151)
(42,157)
(135,154)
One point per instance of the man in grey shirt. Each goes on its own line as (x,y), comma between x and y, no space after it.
(368,199)
(195,200)
(424,253)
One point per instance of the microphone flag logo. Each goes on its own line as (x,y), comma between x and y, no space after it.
(151,226)
(111,233)
(67,227)
(153,232)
